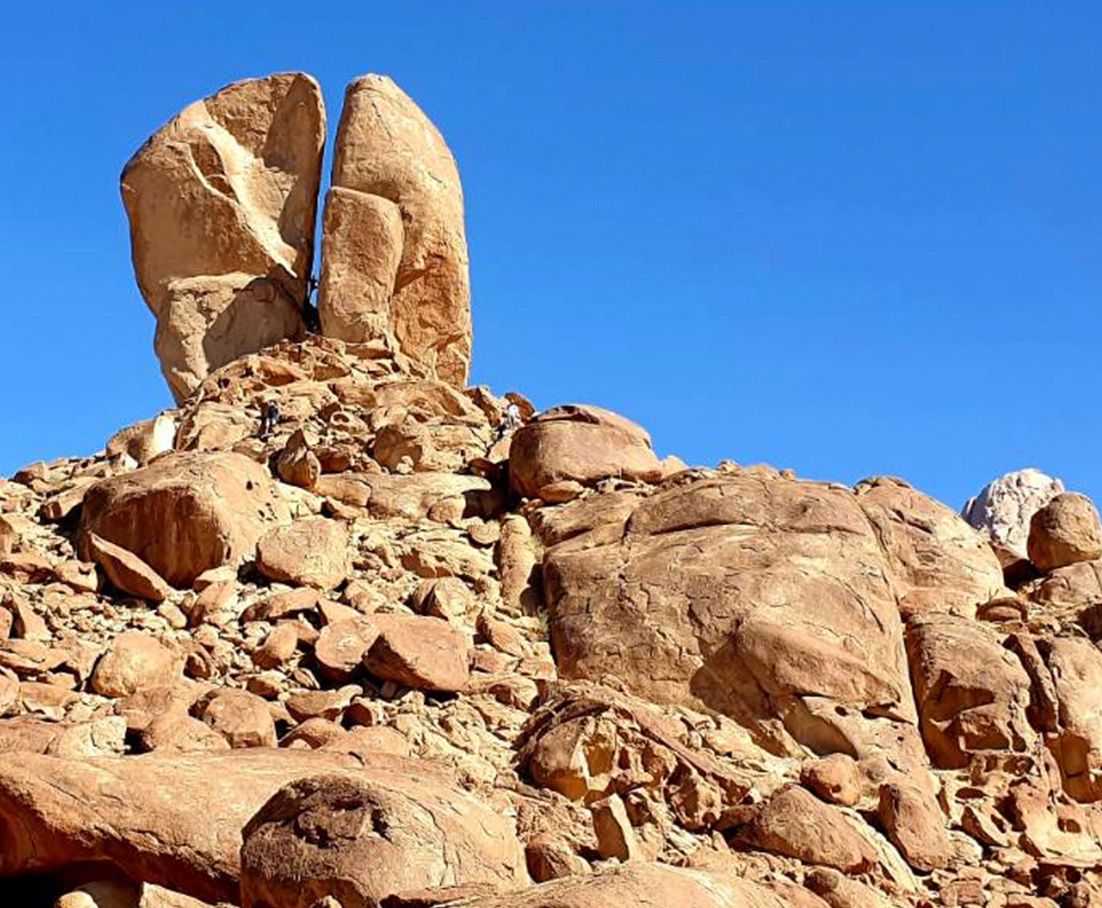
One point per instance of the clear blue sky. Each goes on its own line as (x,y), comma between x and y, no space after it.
(843,238)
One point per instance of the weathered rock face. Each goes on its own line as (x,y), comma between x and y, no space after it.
(186,513)
(1005,506)
(221,202)
(971,692)
(361,840)
(698,594)
(1065,531)
(394,250)
(581,444)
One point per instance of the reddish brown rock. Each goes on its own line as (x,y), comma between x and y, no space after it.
(134,660)
(419,652)
(184,513)
(310,552)
(360,840)
(241,718)
(126,571)
(296,463)
(915,826)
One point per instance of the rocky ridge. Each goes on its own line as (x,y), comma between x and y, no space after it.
(337,630)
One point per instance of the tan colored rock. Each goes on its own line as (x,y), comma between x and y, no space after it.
(615,837)
(310,552)
(241,718)
(221,202)
(840,892)
(972,693)
(341,646)
(796,824)
(1076,672)
(134,660)
(580,443)
(516,562)
(126,571)
(938,561)
(699,595)
(394,244)
(145,440)
(176,819)
(362,240)
(185,513)
(419,652)
(176,732)
(296,463)
(1063,532)
(915,826)
(639,885)
(360,840)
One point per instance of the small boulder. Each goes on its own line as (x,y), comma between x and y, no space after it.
(916,826)
(296,464)
(419,652)
(133,661)
(126,571)
(310,552)
(243,719)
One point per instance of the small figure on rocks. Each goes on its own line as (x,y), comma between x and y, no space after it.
(269,418)
(511,421)
(311,320)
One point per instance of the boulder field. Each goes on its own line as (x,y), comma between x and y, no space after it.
(337,631)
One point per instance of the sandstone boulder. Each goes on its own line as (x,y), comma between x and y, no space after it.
(1076,668)
(176,819)
(359,840)
(640,885)
(579,443)
(915,826)
(311,552)
(1065,531)
(795,824)
(132,661)
(701,594)
(185,513)
(420,652)
(221,202)
(394,250)
(972,693)
(126,571)
(1004,507)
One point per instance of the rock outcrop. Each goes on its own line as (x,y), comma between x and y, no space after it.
(221,202)
(394,248)
(1005,506)
(337,632)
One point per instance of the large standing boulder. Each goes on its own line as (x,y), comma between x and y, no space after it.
(1005,506)
(184,513)
(1076,667)
(579,443)
(177,819)
(360,840)
(394,250)
(221,202)
(1065,531)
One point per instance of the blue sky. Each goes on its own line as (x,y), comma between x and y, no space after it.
(843,238)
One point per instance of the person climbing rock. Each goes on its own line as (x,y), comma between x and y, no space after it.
(269,418)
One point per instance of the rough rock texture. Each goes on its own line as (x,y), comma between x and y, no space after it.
(221,202)
(1005,506)
(362,839)
(1065,531)
(184,514)
(394,249)
(581,444)
(490,650)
